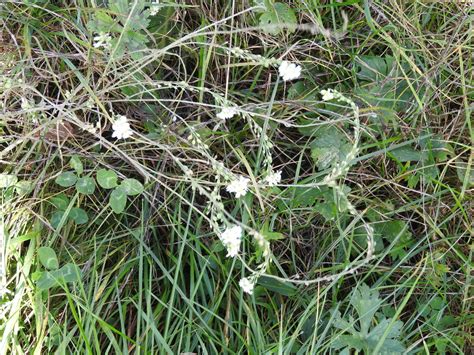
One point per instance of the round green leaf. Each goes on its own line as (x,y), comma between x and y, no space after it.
(131,187)
(78,215)
(56,219)
(70,273)
(7,180)
(106,178)
(46,281)
(85,185)
(76,164)
(66,179)
(61,202)
(23,187)
(47,257)
(118,200)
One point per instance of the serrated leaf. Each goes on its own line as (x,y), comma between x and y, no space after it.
(131,187)
(366,302)
(47,257)
(76,164)
(382,83)
(7,180)
(278,17)
(350,341)
(306,196)
(407,153)
(85,185)
(329,147)
(107,179)
(390,344)
(283,288)
(78,215)
(118,200)
(66,179)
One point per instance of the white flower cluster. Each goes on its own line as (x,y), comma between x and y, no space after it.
(154,7)
(273,178)
(247,285)
(103,40)
(239,186)
(328,95)
(121,127)
(289,71)
(227,113)
(231,239)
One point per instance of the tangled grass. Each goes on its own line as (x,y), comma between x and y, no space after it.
(236,177)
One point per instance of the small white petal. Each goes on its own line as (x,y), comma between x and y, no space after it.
(273,178)
(226,113)
(246,285)
(289,71)
(327,95)
(231,239)
(121,128)
(239,187)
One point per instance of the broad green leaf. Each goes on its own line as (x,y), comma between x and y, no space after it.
(329,147)
(23,187)
(46,281)
(76,164)
(7,180)
(85,185)
(465,172)
(366,302)
(390,344)
(367,334)
(78,215)
(70,273)
(283,288)
(118,200)
(66,179)
(302,90)
(373,68)
(106,178)
(350,341)
(131,187)
(61,201)
(306,196)
(47,257)
(278,17)
(383,84)
(56,218)
(407,153)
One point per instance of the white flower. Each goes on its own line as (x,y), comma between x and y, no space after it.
(289,71)
(102,40)
(226,113)
(327,95)
(231,239)
(155,7)
(247,285)
(239,186)
(121,128)
(273,178)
